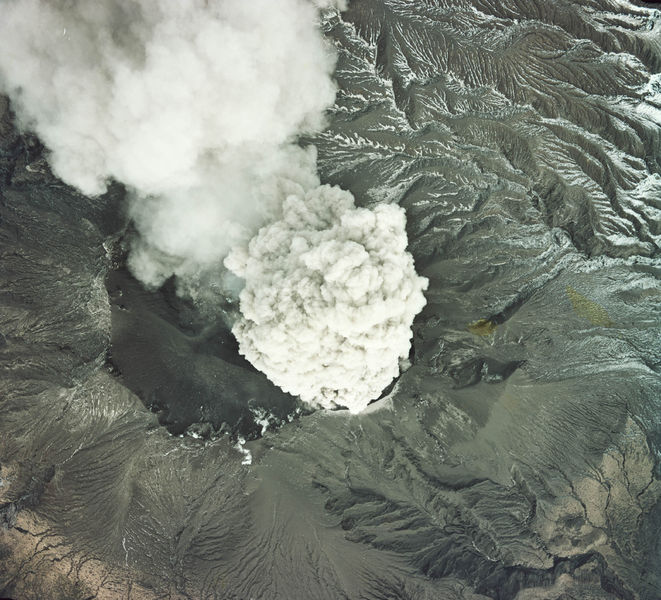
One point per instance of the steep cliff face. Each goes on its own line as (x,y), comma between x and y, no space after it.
(517,457)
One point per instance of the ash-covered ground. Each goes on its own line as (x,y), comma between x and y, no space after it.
(516,459)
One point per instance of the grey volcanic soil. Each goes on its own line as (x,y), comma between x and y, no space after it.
(187,368)
(518,458)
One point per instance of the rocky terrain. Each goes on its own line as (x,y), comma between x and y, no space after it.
(518,458)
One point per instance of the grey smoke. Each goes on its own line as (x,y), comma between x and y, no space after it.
(330,297)
(196,107)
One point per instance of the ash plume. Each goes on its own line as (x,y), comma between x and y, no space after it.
(195,106)
(330,297)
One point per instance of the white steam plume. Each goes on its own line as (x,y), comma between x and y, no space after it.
(195,105)
(189,102)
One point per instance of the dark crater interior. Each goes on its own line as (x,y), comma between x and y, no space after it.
(185,369)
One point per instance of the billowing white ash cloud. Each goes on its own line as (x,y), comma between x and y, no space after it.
(190,103)
(196,106)
(330,296)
